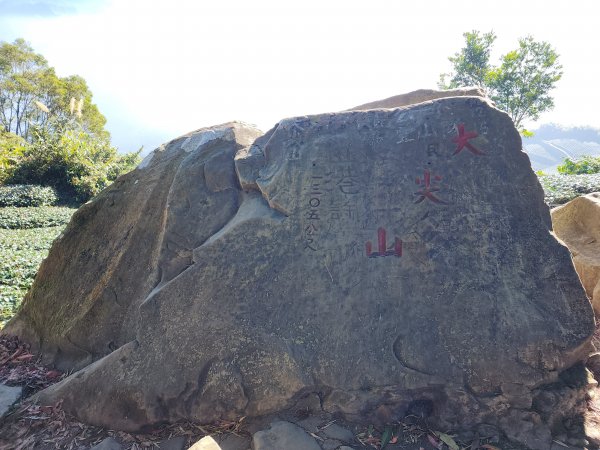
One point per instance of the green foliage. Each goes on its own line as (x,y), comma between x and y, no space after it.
(21,252)
(77,164)
(522,83)
(584,165)
(11,149)
(31,93)
(472,64)
(34,217)
(559,189)
(27,195)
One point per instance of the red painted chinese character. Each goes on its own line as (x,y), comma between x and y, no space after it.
(462,141)
(383,250)
(428,189)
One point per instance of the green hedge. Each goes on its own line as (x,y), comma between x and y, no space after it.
(27,195)
(21,252)
(583,165)
(34,217)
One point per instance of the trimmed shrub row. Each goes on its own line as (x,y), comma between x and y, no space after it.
(27,195)
(34,217)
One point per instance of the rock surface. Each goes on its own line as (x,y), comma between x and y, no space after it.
(577,224)
(9,395)
(391,261)
(283,435)
(108,444)
(419,96)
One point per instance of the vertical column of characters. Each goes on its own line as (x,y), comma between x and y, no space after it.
(312,212)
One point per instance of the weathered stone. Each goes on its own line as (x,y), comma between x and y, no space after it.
(206,443)
(9,395)
(108,444)
(283,435)
(419,96)
(176,443)
(330,444)
(388,260)
(334,431)
(593,364)
(126,243)
(577,225)
(233,442)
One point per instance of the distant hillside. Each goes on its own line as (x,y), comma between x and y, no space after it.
(551,144)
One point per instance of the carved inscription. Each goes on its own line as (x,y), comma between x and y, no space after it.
(382,249)
(428,188)
(462,141)
(313,213)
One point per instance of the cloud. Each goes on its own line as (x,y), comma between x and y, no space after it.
(46,8)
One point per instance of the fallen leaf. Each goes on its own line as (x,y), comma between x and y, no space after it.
(386,436)
(447,439)
(433,441)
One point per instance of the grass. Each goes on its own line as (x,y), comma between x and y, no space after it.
(560,189)
(34,216)
(21,252)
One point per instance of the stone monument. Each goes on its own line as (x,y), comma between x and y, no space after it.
(380,258)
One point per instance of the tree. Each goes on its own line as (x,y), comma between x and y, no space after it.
(30,92)
(520,85)
(50,131)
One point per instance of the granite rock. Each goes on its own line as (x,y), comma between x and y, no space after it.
(382,259)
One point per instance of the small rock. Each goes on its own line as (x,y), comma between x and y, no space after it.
(176,443)
(488,431)
(108,444)
(206,443)
(578,442)
(330,444)
(307,406)
(334,431)
(311,424)
(593,363)
(283,435)
(8,397)
(233,442)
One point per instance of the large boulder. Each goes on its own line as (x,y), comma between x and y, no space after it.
(388,260)
(418,96)
(577,224)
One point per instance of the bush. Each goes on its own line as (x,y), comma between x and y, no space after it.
(27,195)
(584,165)
(79,165)
(34,217)
(11,149)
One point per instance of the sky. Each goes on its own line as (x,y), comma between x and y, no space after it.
(159,69)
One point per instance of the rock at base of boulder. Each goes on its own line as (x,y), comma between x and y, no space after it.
(283,435)
(337,432)
(108,444)
(9,395)
(176,443)
(222,442)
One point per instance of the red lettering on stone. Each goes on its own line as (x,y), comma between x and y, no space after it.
(395,250)
(381,240)
(462,141)
(428,188)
